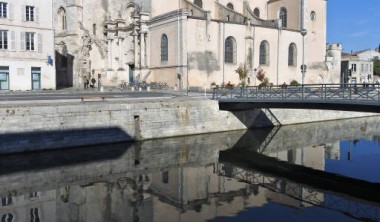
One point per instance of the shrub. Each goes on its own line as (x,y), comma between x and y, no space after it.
(294,83)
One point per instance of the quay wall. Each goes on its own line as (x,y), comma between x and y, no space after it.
(39,126)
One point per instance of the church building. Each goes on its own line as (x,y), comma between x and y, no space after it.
(191,43)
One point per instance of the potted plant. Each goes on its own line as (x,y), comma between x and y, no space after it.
(242,71)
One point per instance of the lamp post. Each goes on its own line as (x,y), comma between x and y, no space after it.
(303,66)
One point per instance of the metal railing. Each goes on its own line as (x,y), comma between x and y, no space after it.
(313,92)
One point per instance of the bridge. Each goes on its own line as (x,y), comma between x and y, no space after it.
(346,97)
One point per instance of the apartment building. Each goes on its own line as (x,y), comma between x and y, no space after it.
(26,45)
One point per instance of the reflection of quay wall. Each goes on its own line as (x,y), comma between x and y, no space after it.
(136,120)
(314,134)
(141,158)
(115,190)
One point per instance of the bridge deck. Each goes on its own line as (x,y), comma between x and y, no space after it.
(332,97)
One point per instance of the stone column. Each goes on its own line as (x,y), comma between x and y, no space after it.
(136,51)
(147,50)
(109,54)
(120,43)
(142,50)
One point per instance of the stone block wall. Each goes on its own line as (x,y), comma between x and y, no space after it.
(51,126)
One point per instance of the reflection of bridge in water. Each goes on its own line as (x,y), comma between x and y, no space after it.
(167,179)
(299,196)
(347,97)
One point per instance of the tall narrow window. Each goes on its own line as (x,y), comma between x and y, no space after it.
(94,29)
(164,48)
(3,39)
(292,55)
(284,17)
(264,53)
(198,3)
(230,6)
(62,19)
(165,177)
(30,13)
(5,201)
(256,12)
(230,50)
(34,215)
(3,10)
(7,217)
(29,41)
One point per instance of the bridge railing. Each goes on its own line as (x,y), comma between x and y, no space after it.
(330,92)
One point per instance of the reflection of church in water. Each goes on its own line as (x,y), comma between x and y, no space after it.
(176,182)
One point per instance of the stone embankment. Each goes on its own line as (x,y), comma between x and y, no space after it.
(32,127)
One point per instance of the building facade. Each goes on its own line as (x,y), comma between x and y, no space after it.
(358,67)
(190,43)
(26,45)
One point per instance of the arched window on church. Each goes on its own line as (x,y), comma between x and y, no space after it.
(284,17)
(256,12)
(264,53)
(230,6)
(292,55)
(61,19)
(164,48)
(230,50)
(198,3)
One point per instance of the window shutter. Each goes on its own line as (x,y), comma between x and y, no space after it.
(23,13)
(39,40)
(36,14)
(10,11)
(13,41)
(22,41)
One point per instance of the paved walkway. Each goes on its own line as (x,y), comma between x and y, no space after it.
(69,95)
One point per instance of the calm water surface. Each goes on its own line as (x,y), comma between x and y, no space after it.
(185,179)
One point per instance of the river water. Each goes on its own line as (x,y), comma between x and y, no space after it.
(310,172)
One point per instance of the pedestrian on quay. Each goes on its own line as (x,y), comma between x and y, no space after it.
(85,82)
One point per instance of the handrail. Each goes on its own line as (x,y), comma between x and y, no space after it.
(311,92)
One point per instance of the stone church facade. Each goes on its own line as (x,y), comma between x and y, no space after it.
(191,43)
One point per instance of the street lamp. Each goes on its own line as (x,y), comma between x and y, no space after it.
(303,66)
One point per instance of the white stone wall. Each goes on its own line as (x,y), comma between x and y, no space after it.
(78,124)
(17,57)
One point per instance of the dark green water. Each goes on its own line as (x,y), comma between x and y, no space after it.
(202,178)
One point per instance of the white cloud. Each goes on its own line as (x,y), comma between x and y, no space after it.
(359,34)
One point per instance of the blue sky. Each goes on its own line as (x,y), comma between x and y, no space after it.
(354,23)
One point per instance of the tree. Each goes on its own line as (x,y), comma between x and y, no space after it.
(376,66)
